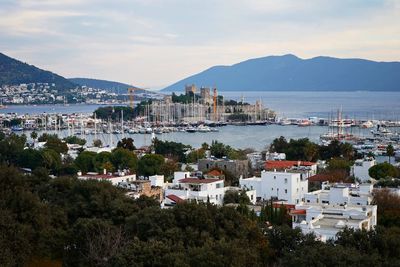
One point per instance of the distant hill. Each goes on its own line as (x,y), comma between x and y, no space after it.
(13,72)
(290,73)
(110,86)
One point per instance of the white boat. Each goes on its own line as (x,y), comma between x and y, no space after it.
(203,129)
(367,124)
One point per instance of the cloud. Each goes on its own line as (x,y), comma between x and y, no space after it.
(155,42)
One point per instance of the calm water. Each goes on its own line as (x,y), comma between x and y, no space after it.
(359,105)
(256,137)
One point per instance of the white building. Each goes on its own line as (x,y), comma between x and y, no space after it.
(326,212)
(361,167)
(285,185)
(157,180)
(341,194)
(114,178)
(201,190)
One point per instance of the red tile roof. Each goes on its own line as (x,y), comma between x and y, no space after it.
(298,212)
(286,164)
(175,198)
(214,173)
(287,206)
(320,178)
(198,181)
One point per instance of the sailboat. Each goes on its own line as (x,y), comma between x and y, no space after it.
(1,105)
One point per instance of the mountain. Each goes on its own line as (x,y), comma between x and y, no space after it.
(115,87)
(13,72)
(290,73)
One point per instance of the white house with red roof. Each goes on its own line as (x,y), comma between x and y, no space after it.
(185,187)
(306,168)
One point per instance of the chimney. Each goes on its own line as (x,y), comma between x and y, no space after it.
(298,163)
(104,171)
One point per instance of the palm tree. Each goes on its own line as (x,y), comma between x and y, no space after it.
(390,151)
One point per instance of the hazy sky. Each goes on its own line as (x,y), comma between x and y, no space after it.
(152,43)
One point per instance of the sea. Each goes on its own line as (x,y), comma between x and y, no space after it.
(355,105)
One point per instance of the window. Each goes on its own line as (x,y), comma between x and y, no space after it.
(216,197)
(251,197)
(285,180)
(272,189)
(274,177)
(285,191)
(251,187)
(297,190)
(208,166)
(308,201)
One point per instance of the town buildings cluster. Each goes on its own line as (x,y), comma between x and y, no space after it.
(323,212)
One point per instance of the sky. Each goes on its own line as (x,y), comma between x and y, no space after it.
(154,43)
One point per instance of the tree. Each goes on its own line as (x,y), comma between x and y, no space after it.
(339,164)
(169,167)
(126,143)
(51,160)
(311,151)
(279,145)
(103,161)
(97,143)
(74,140)
(195,155)
(388,204)
(85,161)
(383,170)
(30,158)
(390,151)
(234,196)
(124,159)
(54,143)
(34,135)
(151,164)
(169,149)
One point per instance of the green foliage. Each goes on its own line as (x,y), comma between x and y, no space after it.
(124,159)
(90,223)
(233,196)
(194,155)
(11,147)
(274,215)
(115,113)
(85,161)
(390,151)
(388,207)
(220,150)
(339,164)
(97,143)
(304,149)
(150,164)
(170,149)
(383,170)
(185,99)
(126,143)
(74,140)
(34,135)
(16,72)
